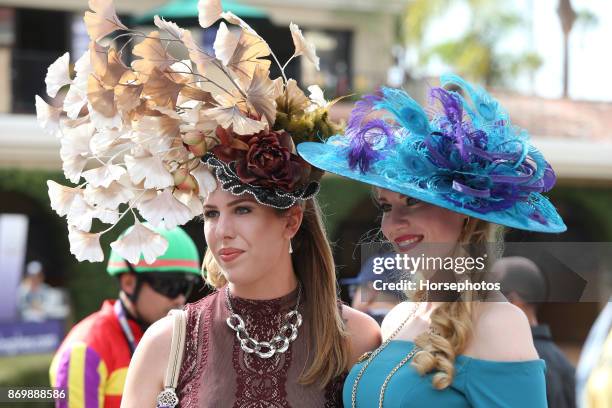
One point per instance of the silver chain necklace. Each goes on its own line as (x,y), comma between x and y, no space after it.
(279,343)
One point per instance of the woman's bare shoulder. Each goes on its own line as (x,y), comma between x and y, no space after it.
(363,330)
(502,333)
(395,317)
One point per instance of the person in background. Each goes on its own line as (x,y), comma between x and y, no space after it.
(38,301)
(91,364)
(524,286)
(594,371)
(367,294)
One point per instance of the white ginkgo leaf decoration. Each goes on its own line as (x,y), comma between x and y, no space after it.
(61,197)
(75,141)
(140,240)
(150,169)
(73,167)
(258,95)
(207,183)
(232,116)
(106,215)
(47,116)
(103,140)
(81,214)
(76,97)
(110,197)
(209,11)
(104,175)
(101,121)
(316,95)
(103,20)
(234,19)
(85,246)
(225,43)
(191,200)
(168,26)
(135,135)
(58,75)
(165,207)
(303,47)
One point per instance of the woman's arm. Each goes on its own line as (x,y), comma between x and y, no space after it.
(364,333)
(145,377)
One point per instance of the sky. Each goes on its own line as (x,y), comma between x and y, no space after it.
(590,48)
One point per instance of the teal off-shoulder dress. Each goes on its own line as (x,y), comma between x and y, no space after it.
(477,383)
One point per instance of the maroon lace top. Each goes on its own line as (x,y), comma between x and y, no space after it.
(216,372)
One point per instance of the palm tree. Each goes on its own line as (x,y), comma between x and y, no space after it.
(567,15)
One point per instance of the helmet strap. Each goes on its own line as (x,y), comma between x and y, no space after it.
(133,298)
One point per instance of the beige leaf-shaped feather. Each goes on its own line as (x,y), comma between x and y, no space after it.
(202,60)
(76,98)
(303,47)
(140,240)
(225,43)
(48,116)
(197,94)
(171,28)
(103,20)
(169,112)
(85,246)
(106,215)
(162,126)
(209,11)
(102,99)
(128,91)
(227,116)
(102,121)
(207,183)
(153,55)
(161,89)
(58,75)
(293,98)
(151,170)
(242,52)
(80,214)
(234,19)
(75,141)
(104,175)
(61,197)
(260,95)
(115,69)
(165,208)
(191,200)
(110,197)
(99,58)
(127,97)
(102,140)
(73,167)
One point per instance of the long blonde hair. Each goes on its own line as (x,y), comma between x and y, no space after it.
(452,322)
(314,265)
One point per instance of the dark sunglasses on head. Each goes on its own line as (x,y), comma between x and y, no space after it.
(170,285)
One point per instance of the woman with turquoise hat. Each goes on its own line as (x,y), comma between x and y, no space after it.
(456,176)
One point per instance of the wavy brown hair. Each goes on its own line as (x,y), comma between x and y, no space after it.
(314,265)
(452,322)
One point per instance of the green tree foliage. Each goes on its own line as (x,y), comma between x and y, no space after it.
(474,53)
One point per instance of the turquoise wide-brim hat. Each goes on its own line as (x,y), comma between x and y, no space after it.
(467,157)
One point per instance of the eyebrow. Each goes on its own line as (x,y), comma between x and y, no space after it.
(231,203)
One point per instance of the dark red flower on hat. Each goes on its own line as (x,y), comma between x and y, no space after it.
(264,159)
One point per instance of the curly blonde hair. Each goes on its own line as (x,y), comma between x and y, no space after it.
(452,322)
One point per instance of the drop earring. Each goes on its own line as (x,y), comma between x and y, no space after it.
(290,247)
